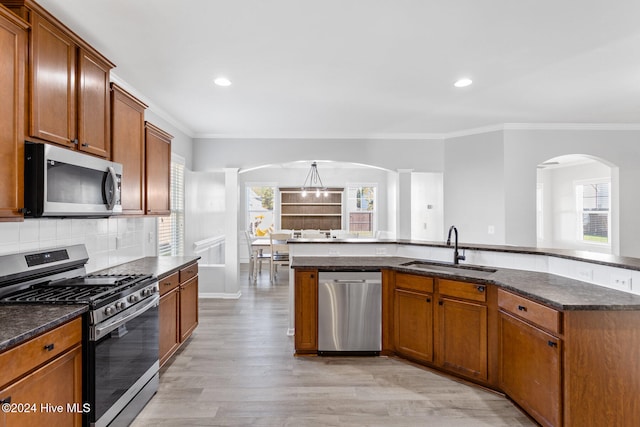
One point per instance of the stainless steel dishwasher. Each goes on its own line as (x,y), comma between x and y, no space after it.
(349,313)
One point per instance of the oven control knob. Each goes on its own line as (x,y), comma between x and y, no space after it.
(133,298)
(119,305)
(109,310)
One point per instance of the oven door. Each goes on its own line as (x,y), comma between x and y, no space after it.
(122,364)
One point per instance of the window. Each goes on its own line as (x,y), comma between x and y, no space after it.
(361,209)
(260,217)
(593,205)
(171,228)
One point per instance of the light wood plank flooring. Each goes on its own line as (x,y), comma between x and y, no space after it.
(239,370)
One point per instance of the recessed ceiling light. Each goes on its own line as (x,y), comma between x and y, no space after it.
(222,81)
(463,82)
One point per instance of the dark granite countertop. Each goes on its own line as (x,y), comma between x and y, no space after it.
(21,322)
(628,263)
(555,291)
(159,267)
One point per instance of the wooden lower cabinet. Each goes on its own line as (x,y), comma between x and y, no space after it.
(413,325)
(306,311)
(188,307)
(44,377)
(178,309)
(530,369)
(169,310)
(462,338)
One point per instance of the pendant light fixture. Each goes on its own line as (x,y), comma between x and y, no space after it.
(313,183)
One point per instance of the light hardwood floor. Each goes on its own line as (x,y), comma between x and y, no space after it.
(239,370)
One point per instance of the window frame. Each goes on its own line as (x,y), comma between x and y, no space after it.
(580,211)
(274,211)
(176,217)
(374,211)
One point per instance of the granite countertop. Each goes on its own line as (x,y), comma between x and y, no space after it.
(555,291)
(156,266)
(628,263)
(21,322)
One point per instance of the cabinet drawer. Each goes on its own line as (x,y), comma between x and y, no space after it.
(188,272)
(37,351)
(414,282)
(169,283)
(470,291)
(545,317)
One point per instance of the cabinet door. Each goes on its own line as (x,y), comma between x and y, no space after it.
(530,369)
(53,84)
(188,307)
(93,105)
(462,338)
(306,311)
(169,310)
(413,325)
(59,384)
(127,147)
(157,167)
(13,48)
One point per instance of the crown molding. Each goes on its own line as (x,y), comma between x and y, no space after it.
(398,136)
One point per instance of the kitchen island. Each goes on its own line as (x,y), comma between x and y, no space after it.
(566,351)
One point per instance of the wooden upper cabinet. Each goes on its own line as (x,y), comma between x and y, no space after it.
(127,147)
(69,97)
(53,83)
(13,50)
(93,104)
(157,167)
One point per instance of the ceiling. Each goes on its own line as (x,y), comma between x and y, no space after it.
(369,68)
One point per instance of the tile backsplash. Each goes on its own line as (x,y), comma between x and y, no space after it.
(109,241)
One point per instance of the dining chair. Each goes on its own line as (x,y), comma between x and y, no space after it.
(279,252)
(256,257)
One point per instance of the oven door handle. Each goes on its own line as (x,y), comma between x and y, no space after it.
(98,332)
(111,201)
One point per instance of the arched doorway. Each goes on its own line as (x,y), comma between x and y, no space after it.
(576,204)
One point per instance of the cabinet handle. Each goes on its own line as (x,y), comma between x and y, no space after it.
(552,344)
(84,144)
(5,400)
(522,308)
(428,299)
(74,141)
(480,288)
(49,347)
(167,283)
(440,302)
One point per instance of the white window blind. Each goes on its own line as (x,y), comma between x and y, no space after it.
(171,228)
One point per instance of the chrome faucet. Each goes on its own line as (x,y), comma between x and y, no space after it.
(456,256)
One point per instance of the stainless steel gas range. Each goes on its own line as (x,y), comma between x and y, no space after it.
(121,329)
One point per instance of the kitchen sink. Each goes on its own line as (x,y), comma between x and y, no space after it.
(448,268)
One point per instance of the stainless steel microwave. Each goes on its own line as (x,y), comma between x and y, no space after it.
(60,182)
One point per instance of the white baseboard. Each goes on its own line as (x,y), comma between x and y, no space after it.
(220,295)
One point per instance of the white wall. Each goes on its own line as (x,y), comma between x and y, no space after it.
(427,210)
(474,187)
(204,207)
(419,155)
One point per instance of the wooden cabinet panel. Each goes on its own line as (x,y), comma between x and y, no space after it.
(188,308)
(169,283)
(93,105)
(58,383)
(157,167)
(413,325)
(462,338)
(53,83)
(169,314)
(306,311)
(469,291)
(39,350)
(13,51)
(188,272)
(545,317)
(414,282)
(127,147)
(530,369)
